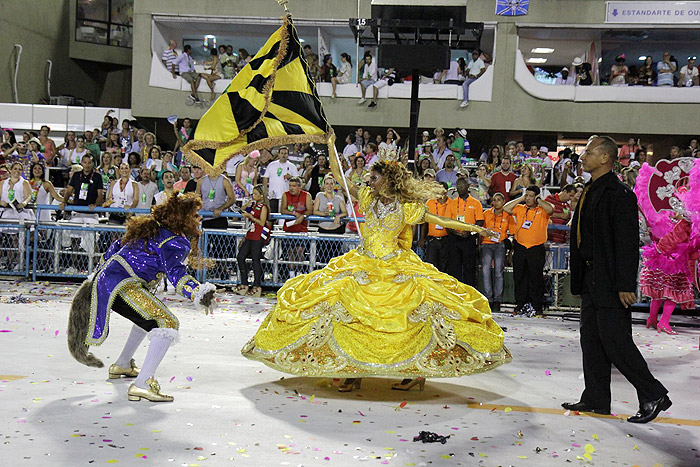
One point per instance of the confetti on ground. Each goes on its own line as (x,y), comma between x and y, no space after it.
(242,413)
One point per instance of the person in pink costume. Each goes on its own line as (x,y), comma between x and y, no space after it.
(669,265)
(671,260)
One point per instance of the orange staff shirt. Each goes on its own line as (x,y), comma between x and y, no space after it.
(530,225)
(442,210)
(466,210)
(499,223)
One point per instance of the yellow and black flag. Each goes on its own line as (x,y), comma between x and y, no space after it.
(272,101)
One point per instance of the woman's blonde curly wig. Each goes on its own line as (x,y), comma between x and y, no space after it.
(400,183)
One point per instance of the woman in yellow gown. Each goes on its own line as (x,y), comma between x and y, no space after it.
(378,310)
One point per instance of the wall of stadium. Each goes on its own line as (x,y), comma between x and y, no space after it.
(43,29)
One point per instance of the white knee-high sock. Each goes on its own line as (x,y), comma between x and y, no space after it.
(132,343)
(161,339)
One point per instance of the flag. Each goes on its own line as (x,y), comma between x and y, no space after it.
(512,7)
(322,47)
(271,101)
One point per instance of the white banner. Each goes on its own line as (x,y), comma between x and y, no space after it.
(322,47)
(653,12)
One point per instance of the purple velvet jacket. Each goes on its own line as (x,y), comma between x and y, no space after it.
(144,263)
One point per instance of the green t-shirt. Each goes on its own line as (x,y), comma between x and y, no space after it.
(458,146)
(94,148)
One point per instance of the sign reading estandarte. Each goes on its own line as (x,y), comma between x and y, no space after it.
(653,12)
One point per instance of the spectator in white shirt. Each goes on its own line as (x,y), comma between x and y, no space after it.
(368,76)
(689,74)
(371,155)
(441,152)
(350,148)
(565,79)
(390,144)
(74,155)
(147,190)
(184,66)
(475,69)
(169,55)
(276,178)
(168,182)
(451,75)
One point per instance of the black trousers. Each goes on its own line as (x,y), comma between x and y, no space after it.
(436,252)
(250,249)
(606,338)
(461,259)
(528,275)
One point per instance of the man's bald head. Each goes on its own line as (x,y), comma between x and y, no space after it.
(600,155)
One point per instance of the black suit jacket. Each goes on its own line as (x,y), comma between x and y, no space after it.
(616,243)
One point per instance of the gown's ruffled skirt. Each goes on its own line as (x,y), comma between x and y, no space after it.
(362,316)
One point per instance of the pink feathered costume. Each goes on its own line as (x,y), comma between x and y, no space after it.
(669,266)
(671,260)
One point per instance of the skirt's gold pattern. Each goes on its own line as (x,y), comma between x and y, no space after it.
(362,316)
(307,358)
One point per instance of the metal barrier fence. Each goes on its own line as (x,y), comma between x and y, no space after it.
(72,248)
(286,255)
(15,247)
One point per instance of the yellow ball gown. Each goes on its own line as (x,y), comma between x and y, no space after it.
(379,310)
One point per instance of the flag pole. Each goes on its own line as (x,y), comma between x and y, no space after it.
(283,3)
(331,148)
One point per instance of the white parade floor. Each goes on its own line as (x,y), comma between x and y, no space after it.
(232,411)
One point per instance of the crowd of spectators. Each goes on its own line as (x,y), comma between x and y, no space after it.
(223,63)
(459,73)
(516,189)
(665,72)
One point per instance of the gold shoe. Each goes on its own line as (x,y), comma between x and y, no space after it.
(152,394)
(115,372)
(254,292)
(350,384)
(406,386)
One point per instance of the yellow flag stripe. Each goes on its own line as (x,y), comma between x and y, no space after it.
(272,101)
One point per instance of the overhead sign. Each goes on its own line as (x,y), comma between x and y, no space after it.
(653,12)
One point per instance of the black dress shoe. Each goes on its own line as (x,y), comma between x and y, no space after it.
(583,407)
(648,411)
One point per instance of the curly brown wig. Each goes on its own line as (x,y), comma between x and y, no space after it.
(179,215)
(400,183)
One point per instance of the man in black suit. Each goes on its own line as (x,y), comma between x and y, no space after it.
(604,265)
